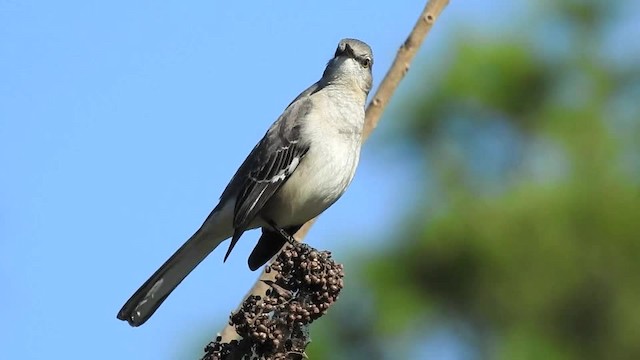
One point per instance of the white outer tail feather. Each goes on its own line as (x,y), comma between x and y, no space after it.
(144,302)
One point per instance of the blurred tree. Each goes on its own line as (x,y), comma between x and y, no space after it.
(531,248)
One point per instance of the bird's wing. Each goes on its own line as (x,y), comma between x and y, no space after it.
(306,93)
(267,168)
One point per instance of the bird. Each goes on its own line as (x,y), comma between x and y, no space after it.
(301,166)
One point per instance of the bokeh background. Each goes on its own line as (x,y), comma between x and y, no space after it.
(495,215)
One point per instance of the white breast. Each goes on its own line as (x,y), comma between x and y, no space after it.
(335,138)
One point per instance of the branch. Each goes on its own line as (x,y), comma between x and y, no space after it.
(374,111)
(401,64)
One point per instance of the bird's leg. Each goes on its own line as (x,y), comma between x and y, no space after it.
(290,239)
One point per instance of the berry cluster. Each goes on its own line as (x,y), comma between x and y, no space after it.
(307,282)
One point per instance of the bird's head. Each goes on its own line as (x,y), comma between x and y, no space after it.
(351,65)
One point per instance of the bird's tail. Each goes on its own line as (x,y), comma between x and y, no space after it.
(144,302)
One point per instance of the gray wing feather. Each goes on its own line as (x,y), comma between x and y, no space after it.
(306,93)
(268,166)
(263,181)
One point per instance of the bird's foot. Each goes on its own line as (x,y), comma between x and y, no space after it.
(290,239)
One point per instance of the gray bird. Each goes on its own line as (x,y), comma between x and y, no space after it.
(301,166)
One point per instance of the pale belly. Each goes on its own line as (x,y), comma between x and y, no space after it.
(318,182)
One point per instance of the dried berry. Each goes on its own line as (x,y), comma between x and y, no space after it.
(307,282)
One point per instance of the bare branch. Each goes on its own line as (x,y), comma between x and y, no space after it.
(374,111)
(402,62)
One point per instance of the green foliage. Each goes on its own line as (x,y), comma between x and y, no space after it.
(484,78)
(553,263)
(547,266)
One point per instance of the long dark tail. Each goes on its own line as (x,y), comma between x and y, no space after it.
(144,302)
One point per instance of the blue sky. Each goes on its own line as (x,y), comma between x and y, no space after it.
(121,123)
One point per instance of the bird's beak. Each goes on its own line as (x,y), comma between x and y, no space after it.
(348,51)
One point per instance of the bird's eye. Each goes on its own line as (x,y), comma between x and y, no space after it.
(366,62)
